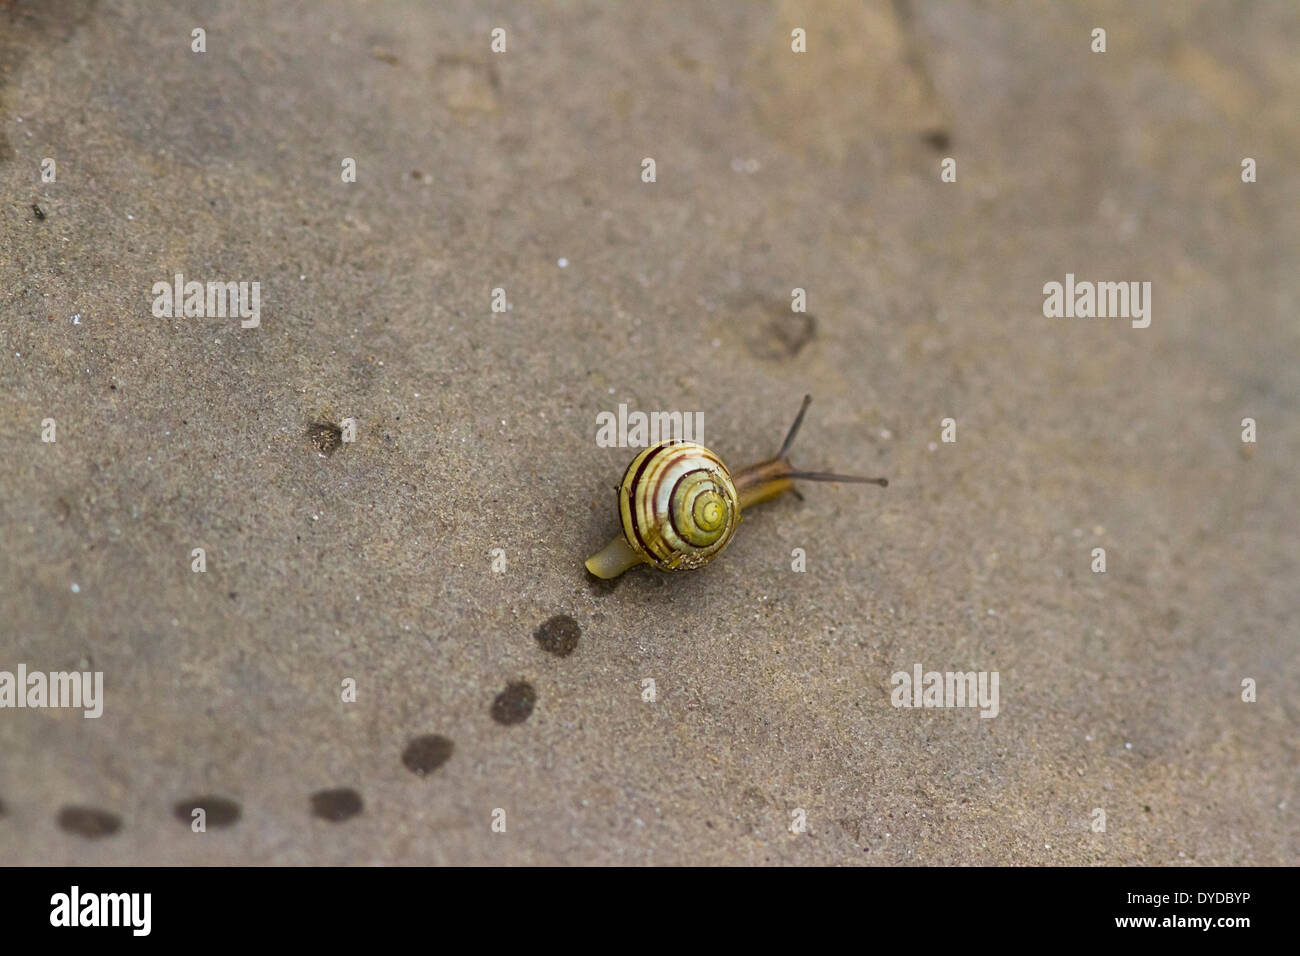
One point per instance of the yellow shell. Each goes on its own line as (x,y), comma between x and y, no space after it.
(678,504)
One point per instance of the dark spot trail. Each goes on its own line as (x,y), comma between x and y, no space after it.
(336,805)
(771,330)
(559,635)
(514,705)
(89,822)
(424,755)
(938,139)
(219,811)
(601,585)
(325,436)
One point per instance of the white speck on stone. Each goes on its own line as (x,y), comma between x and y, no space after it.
(932,446)
(562,263)
(1128,746)
(129,216)
(76,588)
(76,319)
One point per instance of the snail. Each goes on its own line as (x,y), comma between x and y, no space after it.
(680,506)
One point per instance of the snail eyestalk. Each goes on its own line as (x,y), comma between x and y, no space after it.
(775,476)
(613,559)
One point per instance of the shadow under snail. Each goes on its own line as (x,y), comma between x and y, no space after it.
(680,505)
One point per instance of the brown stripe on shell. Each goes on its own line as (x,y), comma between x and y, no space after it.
(632,498)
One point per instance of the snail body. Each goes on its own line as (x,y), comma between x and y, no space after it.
(680,506)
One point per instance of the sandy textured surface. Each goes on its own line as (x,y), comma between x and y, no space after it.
(475,430)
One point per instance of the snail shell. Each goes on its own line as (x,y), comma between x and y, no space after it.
(679,505)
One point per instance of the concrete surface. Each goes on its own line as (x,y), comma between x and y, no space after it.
(475,430)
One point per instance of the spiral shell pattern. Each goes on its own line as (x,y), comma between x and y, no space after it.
(678,504)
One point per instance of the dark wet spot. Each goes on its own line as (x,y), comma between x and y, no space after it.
(938,138)
(1146,809)
(424,755)
(336,805)
(219,811)
(326,436)
(514,704)
(772,331)
(559,635)
(602,585)
(89,822)
(40,213)
(385,56)
(233,595)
